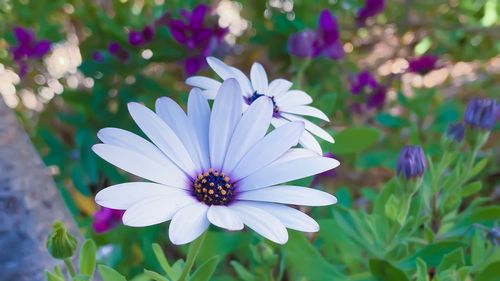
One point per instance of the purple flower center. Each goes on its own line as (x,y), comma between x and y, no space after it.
(213,188)
(256,95)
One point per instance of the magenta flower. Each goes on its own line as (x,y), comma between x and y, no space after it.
(363,81)
(423,65)
(370,9)
(200,35)
(141,37)
(325,41)
(106,219)
(27,48)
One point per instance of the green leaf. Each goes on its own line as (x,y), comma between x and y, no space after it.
(478,168)
(355,139)
(454,259)
(205,271)
(162,260)
(471,189)
(478,248)
(490,273)
(305,260)
(392,209)
(109,274)
(87,258)
(422,274)
(154,275)
(432,254)
(383,270)
(52,277)
(390,121)
(242,272)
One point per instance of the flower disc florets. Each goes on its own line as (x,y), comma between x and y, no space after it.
(213,188)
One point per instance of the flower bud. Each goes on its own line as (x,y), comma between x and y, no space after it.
(455,132)
(60,243)
(411,162)
(482,114)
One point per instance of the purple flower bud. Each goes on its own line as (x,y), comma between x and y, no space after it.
(377,98)
(148,33)
(23,36)
(423,64)
(135,38)
(106,219)
(116,50)
(482,113)
(364,80)
(455,132)
(301,44)
(41,48)
(328,27)
(194,64)
(411,162)
(371,8)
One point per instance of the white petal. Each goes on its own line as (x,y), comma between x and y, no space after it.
(226,113)
(128,140)
(222,69)
(311,127)
(307,140)
(295,153)
(141,166)
(245,84)
(155,210)
(279,87)
(199,119)
(224,217)
(261,222)
(290,217)
(123,196)
(305,110)
(289,194)
(210,94)
(188,223)
(204,83)
(162,136)
(259,80)
(173,115)
(293,97)
(251,128)
(268,149)
(287,171)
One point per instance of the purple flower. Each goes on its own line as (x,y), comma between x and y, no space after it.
(423,65)
(105,219)
(301,44)
(370,9)
(482,113)
(455,132)
(27,48)
(411,162)
(330,174)
(364,81)
(366,84)
(115,49)
(144,36)
(324,41)
(201,36)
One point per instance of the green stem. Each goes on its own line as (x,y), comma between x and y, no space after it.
(70,267)
(193,252)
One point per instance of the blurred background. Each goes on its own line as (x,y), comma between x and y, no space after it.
(394,72)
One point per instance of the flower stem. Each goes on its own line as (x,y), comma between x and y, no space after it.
(70,267)
(194,249)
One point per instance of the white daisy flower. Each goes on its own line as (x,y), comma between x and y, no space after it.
(289,105)
(212,167)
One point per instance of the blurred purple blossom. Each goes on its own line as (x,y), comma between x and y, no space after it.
(201,35)
(106,219)
(423,65)
(115,49)
(330,174)
(141,37)
(482,113)
(325,41)
(411,162)
(374,93)
(455,132)
(370,9)
(27,48)
(97,56)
